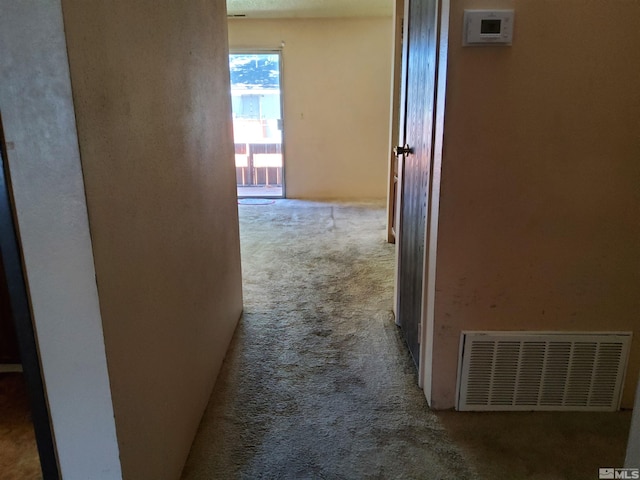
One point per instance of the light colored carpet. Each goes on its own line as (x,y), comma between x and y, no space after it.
(317,383)
(540,445)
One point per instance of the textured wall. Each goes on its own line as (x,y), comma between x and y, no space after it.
(45,171)
(151,92)
(540,180)
(337,79)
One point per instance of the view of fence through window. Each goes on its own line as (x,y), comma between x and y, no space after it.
(257,123)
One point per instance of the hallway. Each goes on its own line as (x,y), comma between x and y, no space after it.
(317,382)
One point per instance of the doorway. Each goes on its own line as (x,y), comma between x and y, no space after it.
(26,445)
(416,133)
(257,123)
(416,197)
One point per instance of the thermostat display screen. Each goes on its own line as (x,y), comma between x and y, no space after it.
(487,27)
(490,26)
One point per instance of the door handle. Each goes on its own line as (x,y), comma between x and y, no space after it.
(399,150)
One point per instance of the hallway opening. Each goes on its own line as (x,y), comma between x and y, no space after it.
(317,382)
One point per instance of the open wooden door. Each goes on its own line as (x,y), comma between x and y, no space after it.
(415,157)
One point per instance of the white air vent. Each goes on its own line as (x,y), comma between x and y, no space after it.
(541,371)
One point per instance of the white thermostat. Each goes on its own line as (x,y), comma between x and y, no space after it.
(487,27)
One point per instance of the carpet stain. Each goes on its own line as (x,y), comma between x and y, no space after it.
(317,383)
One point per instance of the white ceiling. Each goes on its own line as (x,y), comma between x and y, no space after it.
(310,8)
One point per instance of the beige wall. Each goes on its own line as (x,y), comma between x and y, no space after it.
(336,101)
(540,192)
(151,94)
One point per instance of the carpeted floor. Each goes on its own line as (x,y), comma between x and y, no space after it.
(317,383)
(540,445)
(19,458)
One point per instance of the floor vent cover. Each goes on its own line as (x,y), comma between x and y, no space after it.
(533,371)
